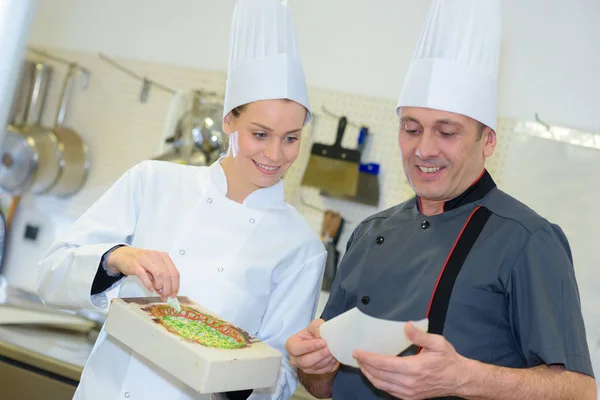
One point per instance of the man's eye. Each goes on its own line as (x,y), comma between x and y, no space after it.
(409,131)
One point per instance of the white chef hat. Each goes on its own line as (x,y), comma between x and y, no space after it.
(455,66)
(264,61)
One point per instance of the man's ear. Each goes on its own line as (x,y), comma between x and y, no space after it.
(489,135)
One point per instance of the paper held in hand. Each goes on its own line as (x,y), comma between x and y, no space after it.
(354,330)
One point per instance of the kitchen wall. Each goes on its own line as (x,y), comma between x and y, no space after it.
(550,60)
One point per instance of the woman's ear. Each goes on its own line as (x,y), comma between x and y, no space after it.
(229,123)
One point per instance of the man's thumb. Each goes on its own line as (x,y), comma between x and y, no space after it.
(417,336)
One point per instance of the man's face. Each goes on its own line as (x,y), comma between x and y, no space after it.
(442,152)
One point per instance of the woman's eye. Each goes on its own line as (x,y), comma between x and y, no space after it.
(291,139)
(260,135)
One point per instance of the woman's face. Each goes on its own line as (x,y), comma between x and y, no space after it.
(268,139)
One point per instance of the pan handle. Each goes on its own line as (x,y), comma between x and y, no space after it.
(64,96)
(340,132)
(36,98)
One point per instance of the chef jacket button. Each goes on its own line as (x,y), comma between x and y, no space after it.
(379,240)
(209,200)
(366,300)
(425,224)
(220,269)
(252,220)
(126,395)
(182,252)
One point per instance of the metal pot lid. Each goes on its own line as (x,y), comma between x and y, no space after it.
(18,162)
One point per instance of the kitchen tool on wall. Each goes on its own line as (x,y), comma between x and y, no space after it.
(29,156)
(18,163)
(367,191)
(30,94)
(74,161)
(39,160)
(330,234)
(333,167)
(198,137)
(21,95)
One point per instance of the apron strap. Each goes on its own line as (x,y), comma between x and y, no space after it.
(440,298)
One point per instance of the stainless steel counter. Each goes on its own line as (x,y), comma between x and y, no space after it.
(40,363)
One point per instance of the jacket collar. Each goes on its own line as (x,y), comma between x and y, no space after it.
(267,198)
(478,190)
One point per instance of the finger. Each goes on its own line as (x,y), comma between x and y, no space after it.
(420,337)
(331,367)
(292,341)
(306,335)
(314,327)
(311,360)
(173,274)
(299,347)
(403,365)
(167,287)
(155,271)
(381,384)
(382,375)
(145,278)
(324,363)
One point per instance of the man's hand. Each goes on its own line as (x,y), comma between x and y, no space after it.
(309,352)
(154,268)
(434,372)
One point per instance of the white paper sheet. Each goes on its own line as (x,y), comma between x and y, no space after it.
(354,330)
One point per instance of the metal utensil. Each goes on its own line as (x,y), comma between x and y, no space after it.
(74,153)
(29,152)
(198,138)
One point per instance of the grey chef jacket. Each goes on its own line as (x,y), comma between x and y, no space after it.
(515,302)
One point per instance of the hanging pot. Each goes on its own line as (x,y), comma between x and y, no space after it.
(21,95)
(74,160)
(18,163)
(31,100)
(29,160)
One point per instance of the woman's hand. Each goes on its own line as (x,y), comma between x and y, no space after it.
(154,268)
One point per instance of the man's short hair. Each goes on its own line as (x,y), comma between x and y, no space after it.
(480,128)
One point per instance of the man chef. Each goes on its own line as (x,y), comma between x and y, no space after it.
(495,279)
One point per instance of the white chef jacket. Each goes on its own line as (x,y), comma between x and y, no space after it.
(256,264)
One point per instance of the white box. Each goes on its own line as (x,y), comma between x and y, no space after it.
(148,326)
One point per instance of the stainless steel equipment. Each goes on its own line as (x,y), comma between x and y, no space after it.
(198,138)
(36,159)
(29,154)
(74,157)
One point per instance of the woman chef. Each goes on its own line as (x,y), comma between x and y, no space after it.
(221,235)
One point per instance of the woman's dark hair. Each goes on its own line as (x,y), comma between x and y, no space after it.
(238,110)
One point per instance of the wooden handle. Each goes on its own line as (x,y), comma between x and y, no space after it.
(12,210)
